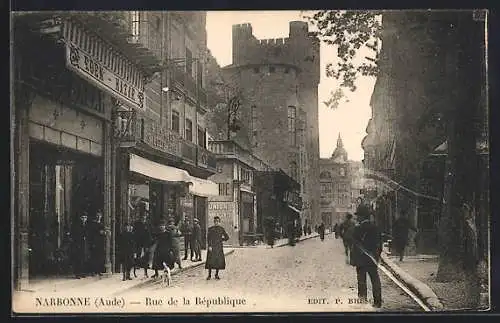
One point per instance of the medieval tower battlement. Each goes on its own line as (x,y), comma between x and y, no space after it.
(278,80)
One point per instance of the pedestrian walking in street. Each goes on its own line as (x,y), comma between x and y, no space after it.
(365,255)
(187,232)
(127,251)
(270,231)
(321,231)
(81,246)
(216,235)
(143,238)
(196,240)
(400,230)
(175,234)
(346,230)
(163,252)
(336,230)
(305,229)
(290,231)
(97,239)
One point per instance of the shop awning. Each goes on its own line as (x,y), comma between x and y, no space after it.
(293,208)
(203,187)
(158,171)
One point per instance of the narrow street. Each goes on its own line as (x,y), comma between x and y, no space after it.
(286,278)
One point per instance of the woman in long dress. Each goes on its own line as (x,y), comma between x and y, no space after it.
(215,254)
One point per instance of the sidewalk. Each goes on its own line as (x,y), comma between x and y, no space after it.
(419,273)
(107,284)
(284,242)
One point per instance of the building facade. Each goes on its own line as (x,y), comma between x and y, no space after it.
(336,183)
(236,203)
(95,128)
(277,81)
(408,147)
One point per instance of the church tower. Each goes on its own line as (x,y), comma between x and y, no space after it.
(339,154)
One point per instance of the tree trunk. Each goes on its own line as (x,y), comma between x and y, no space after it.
(461,166)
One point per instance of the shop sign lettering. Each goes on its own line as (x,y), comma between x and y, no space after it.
(93,71)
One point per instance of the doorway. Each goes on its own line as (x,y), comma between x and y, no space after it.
(63,184)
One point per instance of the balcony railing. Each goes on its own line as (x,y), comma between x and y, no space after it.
(179,75)
(230,149)
(206,159)
(146,131)
(188,150)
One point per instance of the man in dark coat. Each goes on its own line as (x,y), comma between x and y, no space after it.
(321,231)
(174,236)
(346,230)
(400,230)
(97,240)
(215,253)
(163,252)
(196,240)
(81,246)
(127,251)
(187,232)
(270,235)
(365,254)
(143,240)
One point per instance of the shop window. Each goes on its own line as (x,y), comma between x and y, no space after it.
(175,121)
(189,130)
(224,189)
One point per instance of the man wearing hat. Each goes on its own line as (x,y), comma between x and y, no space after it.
(196,240)
(365,254)
(127,250)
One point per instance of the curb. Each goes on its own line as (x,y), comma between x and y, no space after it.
(424,292)
(151,282)
(307,238)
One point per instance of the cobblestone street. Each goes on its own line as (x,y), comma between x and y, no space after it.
(287,278)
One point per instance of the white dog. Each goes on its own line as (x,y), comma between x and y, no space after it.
(166,277)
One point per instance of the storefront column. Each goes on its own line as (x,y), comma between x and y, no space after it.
(23,99)
(108,208)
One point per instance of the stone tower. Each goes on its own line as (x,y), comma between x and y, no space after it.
(278,80)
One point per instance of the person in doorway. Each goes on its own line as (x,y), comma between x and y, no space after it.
(128,250)
(174,236)
(187,233)
(97,250)
(196,240)
(346,230)
(216,235)
(365,255)
(400,230)
(143,240)
(81,246)
(321,231)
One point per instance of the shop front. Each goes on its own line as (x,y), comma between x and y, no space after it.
(63,138)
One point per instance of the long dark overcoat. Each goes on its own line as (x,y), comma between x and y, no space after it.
(80,245)
(164,251)
(366,236)
(97,250)
(215,258)
(127,248)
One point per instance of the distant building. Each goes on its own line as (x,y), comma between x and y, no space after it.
(277,80)
(336,174)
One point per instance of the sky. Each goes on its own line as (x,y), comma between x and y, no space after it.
(349,119)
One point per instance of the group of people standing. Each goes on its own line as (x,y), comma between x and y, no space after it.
(143,248)
(87,245)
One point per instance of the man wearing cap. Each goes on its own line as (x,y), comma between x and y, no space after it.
(365,254)
(187,233)
(196,240)
(215,253)
(127,250)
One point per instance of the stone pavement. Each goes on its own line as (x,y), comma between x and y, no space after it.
(107,284)
(419,272)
